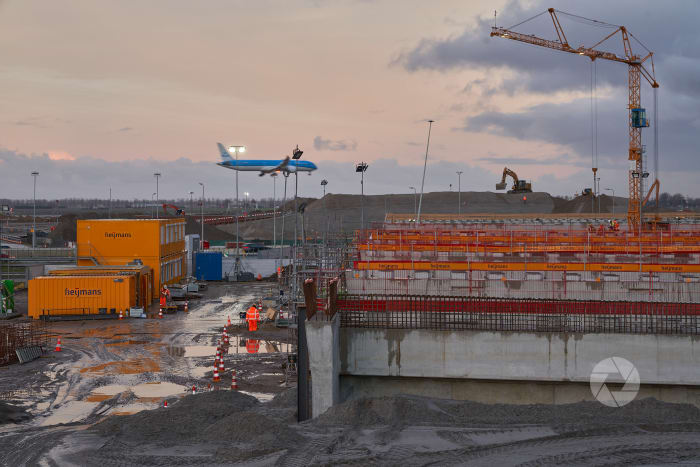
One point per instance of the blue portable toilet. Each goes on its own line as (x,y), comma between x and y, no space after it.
(208,266)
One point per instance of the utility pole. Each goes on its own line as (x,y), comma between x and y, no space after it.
(110,203)
(459,192)
(191,205)
(425,165)
(274,208)
(362,168)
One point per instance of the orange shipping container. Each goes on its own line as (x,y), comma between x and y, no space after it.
(144,278)
(158,243)
(81,295)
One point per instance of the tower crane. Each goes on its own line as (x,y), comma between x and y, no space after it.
(636,113)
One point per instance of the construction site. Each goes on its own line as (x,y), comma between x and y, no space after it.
(459,328)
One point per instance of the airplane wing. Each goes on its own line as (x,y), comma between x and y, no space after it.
(282,166)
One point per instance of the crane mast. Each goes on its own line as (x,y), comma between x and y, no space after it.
(636,114)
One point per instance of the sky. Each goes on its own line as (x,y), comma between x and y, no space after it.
(103,93)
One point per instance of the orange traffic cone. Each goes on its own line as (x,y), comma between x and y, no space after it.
(234,382)
(186,307)
(165,404)
(216,378)
(121,314)
(221,366)
(58,344)
(160,313)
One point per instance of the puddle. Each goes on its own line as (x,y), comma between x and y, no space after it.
(192,351)
(144,391)
(125,367)
(257,346)
(261,396)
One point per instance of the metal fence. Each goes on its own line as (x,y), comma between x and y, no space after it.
(493,314)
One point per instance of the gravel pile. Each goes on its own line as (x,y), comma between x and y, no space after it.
(414,410)
(183,420)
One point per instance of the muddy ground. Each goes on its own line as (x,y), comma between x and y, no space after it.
(100,402)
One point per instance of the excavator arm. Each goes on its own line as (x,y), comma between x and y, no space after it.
(178,211)
(507,172)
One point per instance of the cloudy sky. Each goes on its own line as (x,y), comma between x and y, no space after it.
(98,93)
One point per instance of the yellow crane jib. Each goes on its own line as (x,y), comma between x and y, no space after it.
(638,66)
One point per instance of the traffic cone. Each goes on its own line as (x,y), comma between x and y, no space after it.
(234,382)
(165,404)
(216,378)
(160,313)
(58,344)
(229,322)
(121,314)
(221,366)
(186,307)
(194,390)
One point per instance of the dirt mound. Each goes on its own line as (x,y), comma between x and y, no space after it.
(414,410)
(584,204)
(176,422)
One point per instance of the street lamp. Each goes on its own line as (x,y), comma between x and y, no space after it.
(153,196)
(415,201)
(613,194)
(157,175)
(201,239)
(237,150)
(35,174)
(245,205)
(459,192)
(362,168)
(191,204)
(274,208)
(324,182)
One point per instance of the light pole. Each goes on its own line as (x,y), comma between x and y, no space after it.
(245,204)
(613,207)
(237,150)
(274,208)
(362,168)
(153,196)
(110,203)
(459,192)
(201,239)
(35,174)
(324,182)
(415,201)
(157,175)
(425,165)
(191,205)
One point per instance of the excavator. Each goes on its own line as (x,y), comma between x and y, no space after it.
(519,186)
(178,211)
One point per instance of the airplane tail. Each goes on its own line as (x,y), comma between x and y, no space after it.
(225,156)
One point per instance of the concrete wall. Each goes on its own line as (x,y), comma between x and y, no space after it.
(498,392)
(513,356)
(322,338)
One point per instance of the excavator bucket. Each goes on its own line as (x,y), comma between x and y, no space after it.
(501,186)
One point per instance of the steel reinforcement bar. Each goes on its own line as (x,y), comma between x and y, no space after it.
(493,314)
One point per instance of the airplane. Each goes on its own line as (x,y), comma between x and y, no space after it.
(264,166)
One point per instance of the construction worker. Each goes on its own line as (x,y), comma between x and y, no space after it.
(164,293)
(252,316)
(252,345)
